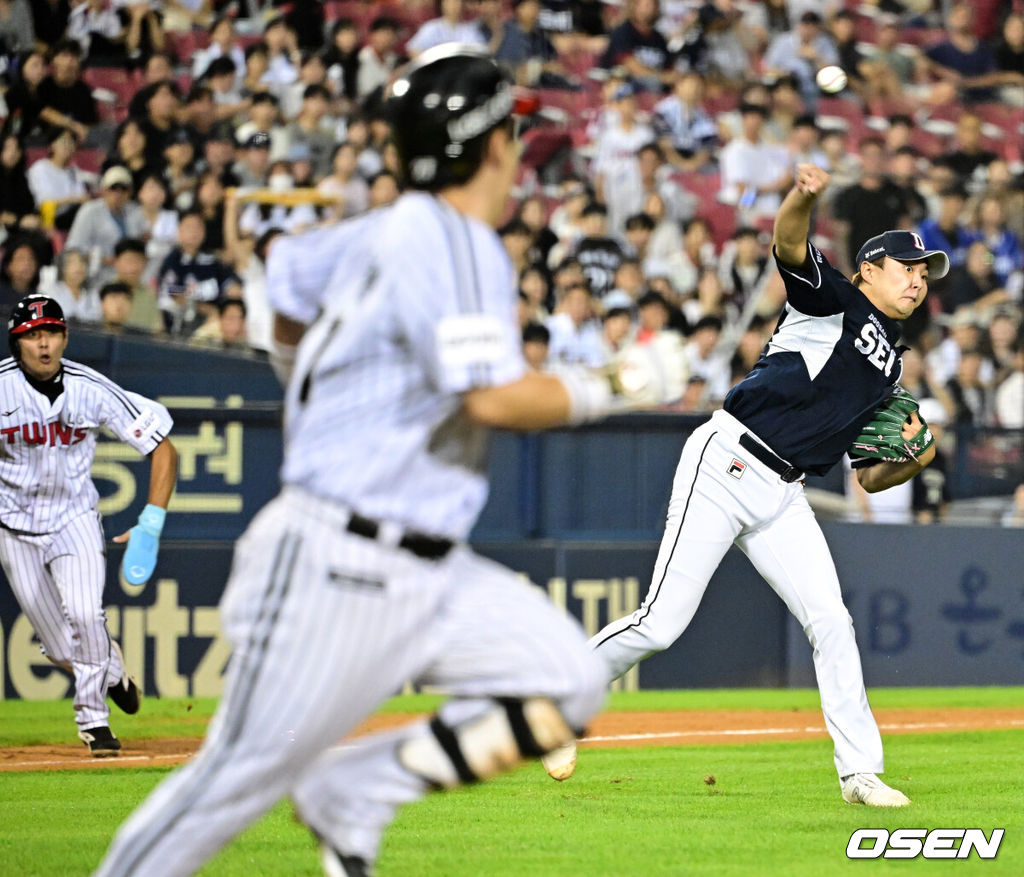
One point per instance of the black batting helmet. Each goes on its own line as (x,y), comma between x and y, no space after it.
(31,312)
(442,106)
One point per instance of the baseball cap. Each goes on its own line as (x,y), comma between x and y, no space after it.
(627,89)
(904,246)
(259,140)
(117,175)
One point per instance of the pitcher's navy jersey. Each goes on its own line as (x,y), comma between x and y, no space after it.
(832,359)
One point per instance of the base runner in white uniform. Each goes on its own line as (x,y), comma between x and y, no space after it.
(357,578)
(832,359)
(51,543)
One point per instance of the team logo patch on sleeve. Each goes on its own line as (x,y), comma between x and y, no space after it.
(737,468)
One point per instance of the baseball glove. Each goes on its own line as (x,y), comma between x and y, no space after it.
(882,440)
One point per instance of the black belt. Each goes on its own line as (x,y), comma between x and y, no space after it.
(787,473)
(427,547)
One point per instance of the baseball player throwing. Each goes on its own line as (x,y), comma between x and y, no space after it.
(51,543)
(357,578)
(829,370)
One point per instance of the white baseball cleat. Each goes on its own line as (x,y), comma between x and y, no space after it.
(560,762)
(866,788)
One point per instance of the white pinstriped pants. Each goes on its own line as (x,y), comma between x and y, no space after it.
(58,579)
(326,625)
(772,523)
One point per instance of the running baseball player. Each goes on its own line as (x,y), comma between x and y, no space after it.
(825,385)
(51,542)
(357,577)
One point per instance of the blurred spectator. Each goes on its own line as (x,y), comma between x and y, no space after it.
(536,343)
(899,132)
(66,101)
(743,266)
(1002,342)
(344,184)
(629,284)
(965,335)
(656,350)
(527,52)
(754,171)
(72,291)
(311,72)
(616,165)
(749,347)
(282,56)
(534,293)
(383,190)
(785,106)
(448,27)
(199,115)
(968,158)
(706,360)
(567,218)
(96,27)
(724,57)
(686,133)
(1009,56)
(257,64)
(130,152)
(341,57)
(312,128)
(616,325)
(685,266)
(262,116)
(115,307)
(16,31)
(50,20)
(159,224)
(378,58)
(802,52)
(971,395)
(574,336)
(129,268)
(179,167)
(598,254)
(103,221)
(636,45)
(843,29)
(1003,244)
(56,180)
(965,61)
(868,207)
(222,85)
(219,156)
(223,43)
(184,15)
(898,71)
(191,279)
(254,164)
(916,378)
(158,120)
(532,213)
(517,238)
(16,202)
(946,230)
(159,67)
(23,98)
(658,178)
(1009,395)
(226,328)
(250,259)
(904,172)
(843,168)
(973,284)
(19,272)
(803,142)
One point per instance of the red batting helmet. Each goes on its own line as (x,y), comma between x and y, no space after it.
(31,312)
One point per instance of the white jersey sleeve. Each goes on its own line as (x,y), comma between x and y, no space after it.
(457,302)
(300,268)
(134,419)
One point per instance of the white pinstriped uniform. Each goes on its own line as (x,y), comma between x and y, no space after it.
(416,305)
(51,543)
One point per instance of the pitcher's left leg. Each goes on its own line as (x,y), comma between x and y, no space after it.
(791,553)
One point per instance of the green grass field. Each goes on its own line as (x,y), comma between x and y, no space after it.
(774,808)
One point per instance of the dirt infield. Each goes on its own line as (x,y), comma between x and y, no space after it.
(610,730)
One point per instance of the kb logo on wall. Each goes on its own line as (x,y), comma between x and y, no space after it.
(910,843)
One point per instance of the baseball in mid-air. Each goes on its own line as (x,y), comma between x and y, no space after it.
(831,79)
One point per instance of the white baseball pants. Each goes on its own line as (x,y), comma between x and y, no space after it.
(325,625)
(58,579)
(772,523)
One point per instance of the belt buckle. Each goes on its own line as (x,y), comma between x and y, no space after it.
(790,474)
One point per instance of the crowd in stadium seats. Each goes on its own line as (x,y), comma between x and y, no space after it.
(152,149)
